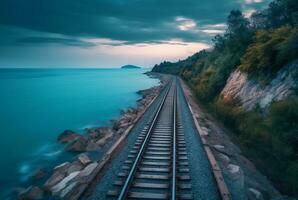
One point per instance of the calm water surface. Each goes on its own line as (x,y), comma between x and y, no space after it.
(36,105)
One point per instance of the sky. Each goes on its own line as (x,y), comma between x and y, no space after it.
(110,33)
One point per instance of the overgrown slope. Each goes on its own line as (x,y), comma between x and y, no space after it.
(259,47)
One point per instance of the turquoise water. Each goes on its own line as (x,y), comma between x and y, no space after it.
(36,105)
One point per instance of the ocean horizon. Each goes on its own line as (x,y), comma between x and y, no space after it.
(37,104)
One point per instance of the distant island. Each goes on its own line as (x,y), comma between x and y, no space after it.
(130,67)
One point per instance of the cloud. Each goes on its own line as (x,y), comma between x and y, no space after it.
(55,40)
(253,1)
(90,31)
(185,24)
(213,31)
(132,21)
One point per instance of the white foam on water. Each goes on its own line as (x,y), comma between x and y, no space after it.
(53,153)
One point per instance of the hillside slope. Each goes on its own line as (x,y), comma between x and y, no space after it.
(249,82)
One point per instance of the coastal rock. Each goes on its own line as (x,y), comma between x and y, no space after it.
(87,173)
(84,159)
(254,194)
(33,193)
(92,146)
(235,171)
(224,158)
(219,147)
(93,133)
(103,140)
(77,145)
(60,172)
(53,180)
(62,168)
(56,189)
(73,191)
(75,166)
(68,136)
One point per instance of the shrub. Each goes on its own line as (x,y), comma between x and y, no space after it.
(270,51)
(271,139)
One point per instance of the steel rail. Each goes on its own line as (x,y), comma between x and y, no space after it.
(173,192)
(124,191)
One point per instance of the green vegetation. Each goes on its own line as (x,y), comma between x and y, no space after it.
(260,46)
(271,50)
(271,140)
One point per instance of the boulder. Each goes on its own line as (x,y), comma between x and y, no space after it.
(62,168)
(84,159)
(66,192)
(92,146)
(75,166)
(68,136)
(124,125)
(219,147)
(53,180)
(93,133)
(77,145)
(31,193)
(236,173)
(73,191)
(254,194)
(56,189)
(224,159)
(87,173)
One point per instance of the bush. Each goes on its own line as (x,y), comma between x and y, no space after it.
(270,51)
(270,139)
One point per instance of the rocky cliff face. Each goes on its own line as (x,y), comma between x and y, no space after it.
(250,93)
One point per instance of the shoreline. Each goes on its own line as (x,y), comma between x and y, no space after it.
(88,150)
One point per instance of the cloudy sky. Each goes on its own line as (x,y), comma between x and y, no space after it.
(109,33)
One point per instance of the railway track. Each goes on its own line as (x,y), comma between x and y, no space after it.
(157,166)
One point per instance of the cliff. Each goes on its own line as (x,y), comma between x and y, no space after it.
(251,93)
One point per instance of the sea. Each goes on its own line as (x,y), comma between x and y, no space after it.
(36,105)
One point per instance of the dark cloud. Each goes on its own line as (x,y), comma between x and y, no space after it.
(133,21)
(55,40)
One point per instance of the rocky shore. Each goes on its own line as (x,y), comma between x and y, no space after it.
(69,179)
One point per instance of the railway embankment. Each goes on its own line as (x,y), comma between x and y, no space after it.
(243,179)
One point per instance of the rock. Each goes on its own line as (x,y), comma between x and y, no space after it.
(87,173)
(84,159)
(108,135)
(56,189)
(124,125)
(254,194)
(93,133)
(69,189)
(53,180)
(31,193)
(60,172)
(38,175)
(119,132)
(68,136)
(250,93)
(62,169)
(77,145)
(224,158)
(234,170)
(73,191)
(92,146)
(75,166)
(219,147)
